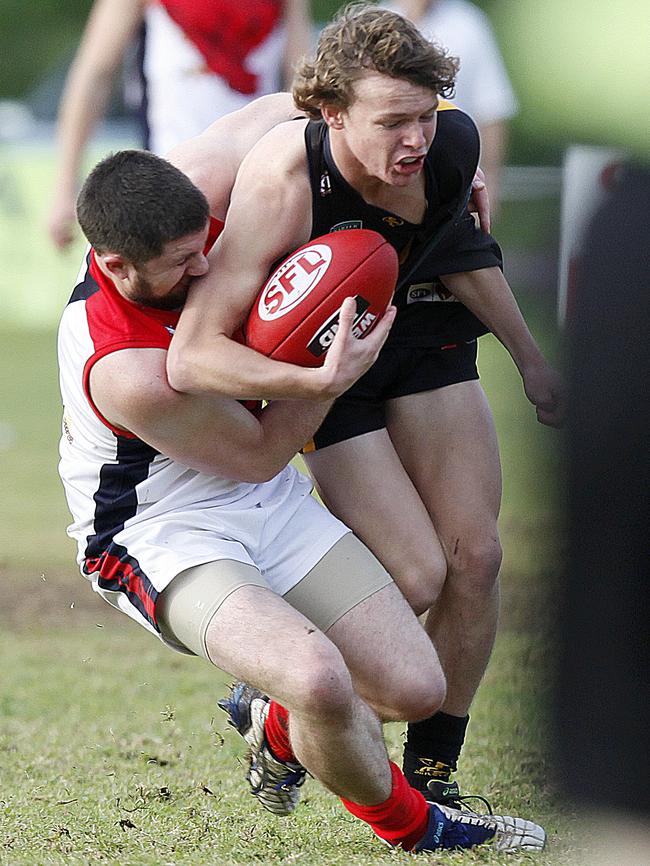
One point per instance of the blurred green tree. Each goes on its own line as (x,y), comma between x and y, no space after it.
(37,37)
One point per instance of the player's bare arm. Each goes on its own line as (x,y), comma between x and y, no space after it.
(111,26)
(213,434)
(297,23)
(487,294)
(270,215)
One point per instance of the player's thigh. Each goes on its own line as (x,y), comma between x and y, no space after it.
(392,661)
(224,611)
(343,578)
(446,441)
(363,481)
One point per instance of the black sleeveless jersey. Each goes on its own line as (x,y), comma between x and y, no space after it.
(427,314)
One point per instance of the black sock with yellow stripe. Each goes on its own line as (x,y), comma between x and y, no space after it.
(432,749)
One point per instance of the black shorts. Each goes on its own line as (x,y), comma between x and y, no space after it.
(399,370)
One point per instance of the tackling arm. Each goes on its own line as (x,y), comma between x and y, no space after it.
(216,435)
(211,160)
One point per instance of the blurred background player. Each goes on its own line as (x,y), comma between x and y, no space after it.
(483,88)
(201,59)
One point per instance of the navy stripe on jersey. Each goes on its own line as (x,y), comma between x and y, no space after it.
(115,498)
(87,287)
(116,502)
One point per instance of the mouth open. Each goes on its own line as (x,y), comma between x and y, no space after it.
(411,164)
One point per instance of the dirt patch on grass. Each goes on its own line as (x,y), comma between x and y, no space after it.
(60,598)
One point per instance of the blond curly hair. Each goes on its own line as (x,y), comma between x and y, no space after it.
(365,38)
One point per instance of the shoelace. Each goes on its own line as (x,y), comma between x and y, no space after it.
(277,778)
(461,803)
(294,780)
(447,794)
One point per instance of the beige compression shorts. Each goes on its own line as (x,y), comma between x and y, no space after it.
(345,576)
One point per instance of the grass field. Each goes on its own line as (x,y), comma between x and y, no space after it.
(111,750)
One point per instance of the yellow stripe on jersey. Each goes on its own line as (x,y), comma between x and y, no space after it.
(446,105)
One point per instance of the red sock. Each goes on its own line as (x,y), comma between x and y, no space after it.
(276,729)
(402,819)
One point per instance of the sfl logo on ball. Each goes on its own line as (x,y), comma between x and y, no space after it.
(296,277)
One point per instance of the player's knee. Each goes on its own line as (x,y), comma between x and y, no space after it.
(322,685)
(426,699)
(418,695)
(421,581)
(475,564)
(423,699)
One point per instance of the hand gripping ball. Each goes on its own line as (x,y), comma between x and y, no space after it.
(295,315)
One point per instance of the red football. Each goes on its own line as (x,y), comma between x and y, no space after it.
(295,316)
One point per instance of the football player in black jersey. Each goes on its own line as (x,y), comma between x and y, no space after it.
(408,457)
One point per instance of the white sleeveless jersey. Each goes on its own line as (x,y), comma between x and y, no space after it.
(117,485)
(184,96)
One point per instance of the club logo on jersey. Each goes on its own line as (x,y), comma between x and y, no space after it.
(66,429)
(428,292)
(347,224)
(322,339)
(170,330)
(296,277)
(393,221)
(325,184)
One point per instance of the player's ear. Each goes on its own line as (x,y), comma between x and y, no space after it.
(333,116)
(114,265)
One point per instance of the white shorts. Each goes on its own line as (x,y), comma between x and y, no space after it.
(282,531)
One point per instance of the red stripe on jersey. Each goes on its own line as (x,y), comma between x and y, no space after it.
(116,323)
(123,574)
(216,227)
